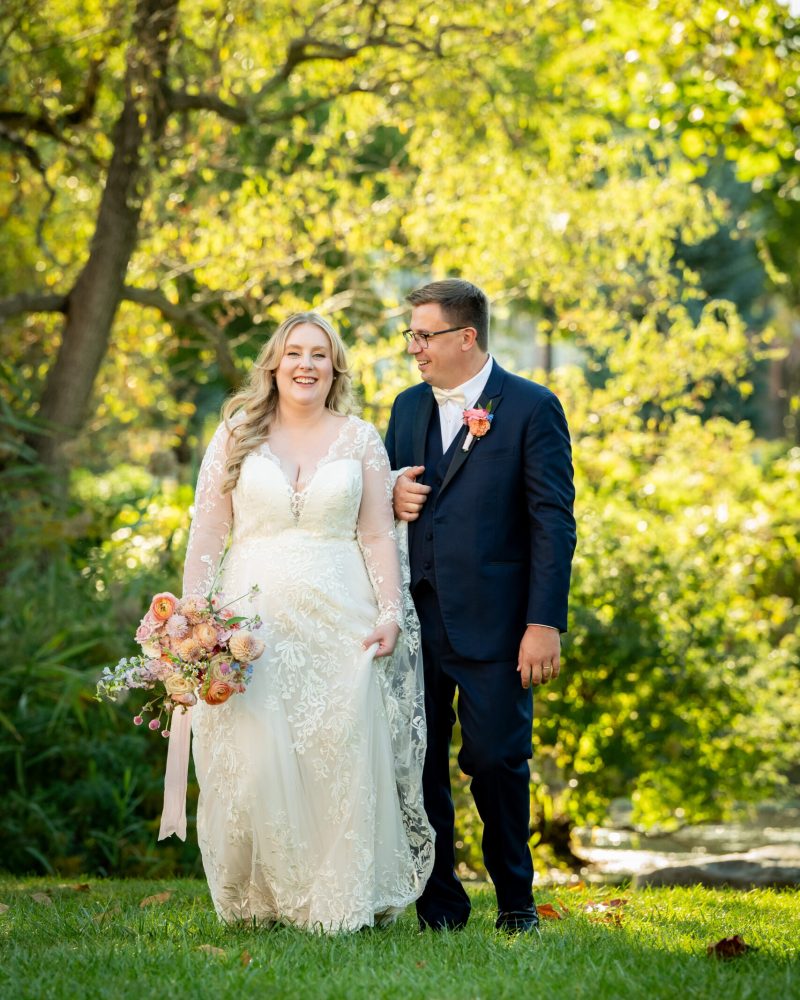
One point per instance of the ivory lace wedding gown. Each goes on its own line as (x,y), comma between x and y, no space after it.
(310,807)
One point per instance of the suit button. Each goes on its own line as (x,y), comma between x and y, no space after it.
(429,536)
(426,565)
(438,481)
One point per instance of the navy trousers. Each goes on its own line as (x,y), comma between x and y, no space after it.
(496,716)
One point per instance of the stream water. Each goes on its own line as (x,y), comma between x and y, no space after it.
(616,854)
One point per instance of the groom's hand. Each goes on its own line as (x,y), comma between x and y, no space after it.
(539,655)
(409,496)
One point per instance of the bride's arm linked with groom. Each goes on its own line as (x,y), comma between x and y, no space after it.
(321,785)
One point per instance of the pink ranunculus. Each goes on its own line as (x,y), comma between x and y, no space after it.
(163,606)
(148,627)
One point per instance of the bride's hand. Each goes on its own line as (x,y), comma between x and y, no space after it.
(386,638)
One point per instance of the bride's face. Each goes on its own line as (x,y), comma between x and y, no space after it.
(305,372)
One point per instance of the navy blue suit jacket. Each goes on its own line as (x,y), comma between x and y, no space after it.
(503,527)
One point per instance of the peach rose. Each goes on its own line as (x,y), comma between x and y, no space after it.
(218,693)
(163,605)
(205,634)
(177,684)
(245,647)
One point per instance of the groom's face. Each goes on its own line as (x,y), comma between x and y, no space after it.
(443,362)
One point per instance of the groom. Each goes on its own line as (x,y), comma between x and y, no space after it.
(491,538)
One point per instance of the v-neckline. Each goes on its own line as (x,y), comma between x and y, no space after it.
(317,466)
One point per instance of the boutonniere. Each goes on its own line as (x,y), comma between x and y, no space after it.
(479,421)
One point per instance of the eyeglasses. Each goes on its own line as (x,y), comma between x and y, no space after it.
(422,338)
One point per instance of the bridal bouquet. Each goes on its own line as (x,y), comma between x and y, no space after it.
(191,649)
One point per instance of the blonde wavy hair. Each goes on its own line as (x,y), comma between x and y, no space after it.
(249,414)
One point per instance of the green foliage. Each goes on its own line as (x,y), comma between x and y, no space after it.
(680,681)
(622,179)
(83,789)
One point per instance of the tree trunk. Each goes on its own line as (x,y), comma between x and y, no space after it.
(94,299)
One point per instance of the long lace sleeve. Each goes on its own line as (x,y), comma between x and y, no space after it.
(376,533)
(212,521)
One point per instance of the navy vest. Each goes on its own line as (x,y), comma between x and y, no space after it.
(423,562)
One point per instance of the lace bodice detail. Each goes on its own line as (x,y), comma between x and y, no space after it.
(348,498)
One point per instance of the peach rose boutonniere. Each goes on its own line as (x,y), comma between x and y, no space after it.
(479,421)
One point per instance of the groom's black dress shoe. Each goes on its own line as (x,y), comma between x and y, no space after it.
(518,922)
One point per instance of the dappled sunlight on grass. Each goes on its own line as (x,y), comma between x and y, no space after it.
(104,939)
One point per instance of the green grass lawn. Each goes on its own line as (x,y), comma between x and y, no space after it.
(101,943)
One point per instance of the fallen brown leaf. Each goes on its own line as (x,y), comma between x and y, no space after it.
(421,965)
(604,906)
(4,908)
(561,904)
(730,947)
(245,958)
(613,917)
(109,914)
(77,887)
(41,897)
(549,912)
(210,949)
(576,886)
(160,897)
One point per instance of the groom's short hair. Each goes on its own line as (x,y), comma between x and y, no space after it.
(460,301)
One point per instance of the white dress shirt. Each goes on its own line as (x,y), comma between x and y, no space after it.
(451,414)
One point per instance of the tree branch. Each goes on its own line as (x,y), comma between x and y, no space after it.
(305,49)
(180,100)
(33,302)
(51,127)
(151,298)
(193,316)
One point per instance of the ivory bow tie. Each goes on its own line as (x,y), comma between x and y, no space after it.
(443,396)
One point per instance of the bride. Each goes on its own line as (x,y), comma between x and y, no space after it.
(310,808)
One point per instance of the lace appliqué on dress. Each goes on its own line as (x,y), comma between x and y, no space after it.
(311,782)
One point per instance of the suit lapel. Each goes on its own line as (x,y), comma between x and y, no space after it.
(490,393)
(421,421)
